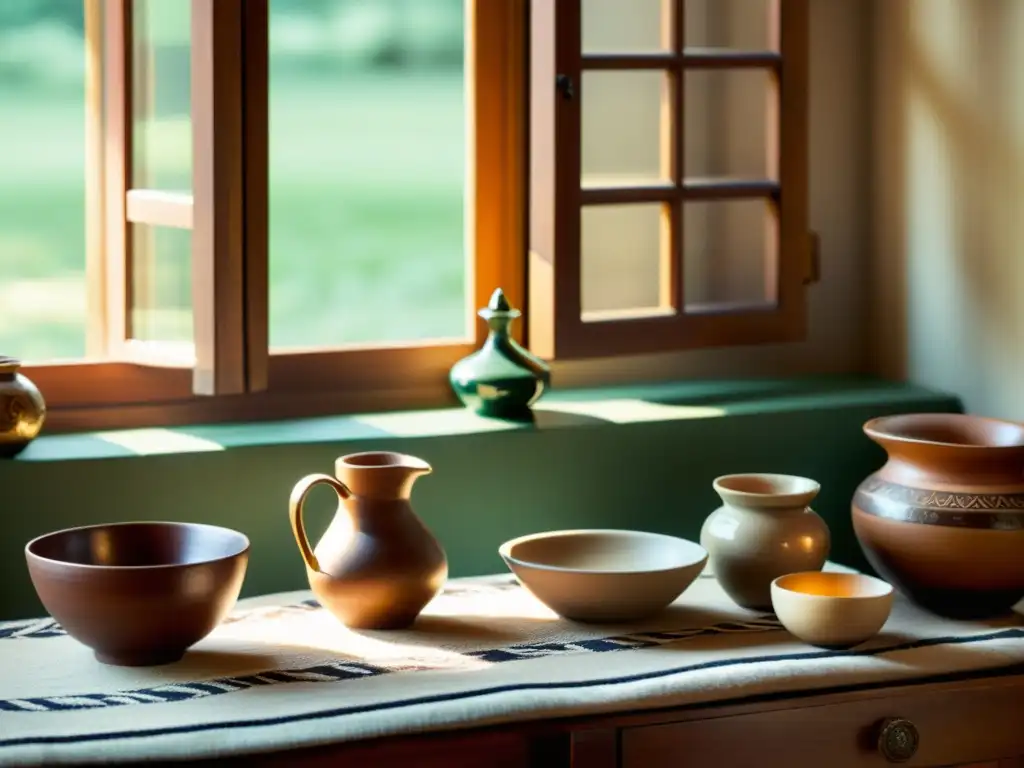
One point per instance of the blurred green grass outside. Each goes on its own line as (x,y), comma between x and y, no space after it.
(366,222)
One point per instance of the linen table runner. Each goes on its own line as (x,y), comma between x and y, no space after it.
(282,673)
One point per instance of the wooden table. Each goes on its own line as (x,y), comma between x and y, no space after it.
(973,722)
(487,679)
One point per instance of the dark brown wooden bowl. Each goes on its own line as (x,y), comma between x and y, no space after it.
(139,594)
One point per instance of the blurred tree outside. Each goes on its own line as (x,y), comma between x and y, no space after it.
(15,14)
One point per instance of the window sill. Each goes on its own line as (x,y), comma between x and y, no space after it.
(566,409)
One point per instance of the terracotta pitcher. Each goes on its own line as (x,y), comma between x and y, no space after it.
(377,565)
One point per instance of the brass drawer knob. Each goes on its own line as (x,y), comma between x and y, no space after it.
(898,739)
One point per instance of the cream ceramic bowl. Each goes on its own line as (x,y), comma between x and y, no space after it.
(604,575)
(831,610)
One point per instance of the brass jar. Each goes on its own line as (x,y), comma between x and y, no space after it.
(22,409)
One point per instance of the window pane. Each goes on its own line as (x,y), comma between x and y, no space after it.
(726,113)
(161,284)
(42,181)
(625,115)
(736,24)
(626,26)
(729,254)
(624,249)
(161,95)
(367,172)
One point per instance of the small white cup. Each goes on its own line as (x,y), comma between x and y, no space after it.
(832,610)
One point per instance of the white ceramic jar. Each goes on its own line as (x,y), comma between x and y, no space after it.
(763,530)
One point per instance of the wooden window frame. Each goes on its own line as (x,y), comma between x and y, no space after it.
(524,138)
(557,328)
(233,374)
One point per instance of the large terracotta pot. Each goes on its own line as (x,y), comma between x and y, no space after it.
(943,520)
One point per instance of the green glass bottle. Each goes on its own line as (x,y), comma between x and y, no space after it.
(501,379)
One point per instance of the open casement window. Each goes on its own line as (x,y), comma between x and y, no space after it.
(166,197)
(266,224)
(668,175)
(176,187)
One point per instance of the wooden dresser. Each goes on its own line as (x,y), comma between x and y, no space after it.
(975,722)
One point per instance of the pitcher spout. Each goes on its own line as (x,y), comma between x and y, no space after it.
(381,474)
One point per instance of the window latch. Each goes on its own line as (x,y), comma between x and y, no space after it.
(564,85)
(813,258)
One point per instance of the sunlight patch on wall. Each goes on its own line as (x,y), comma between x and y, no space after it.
(933,307)
(943,37)
(430,423)
(630,411)
(1014,85)
(963,141)
(150,442)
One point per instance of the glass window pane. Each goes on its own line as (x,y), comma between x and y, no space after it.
(161,95)
(626,26)
(42,181)
(624,252)
(367,172)
(726,114)
(625,128)
(161,284)
(736,24)
(729,254)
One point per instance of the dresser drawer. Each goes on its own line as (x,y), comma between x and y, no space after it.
(970,725)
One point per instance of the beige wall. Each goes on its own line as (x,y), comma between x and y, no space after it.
(840,155)
(949,198)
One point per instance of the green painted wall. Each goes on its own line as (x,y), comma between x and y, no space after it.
(639,457)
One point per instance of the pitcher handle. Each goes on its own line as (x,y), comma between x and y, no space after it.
(295,503)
